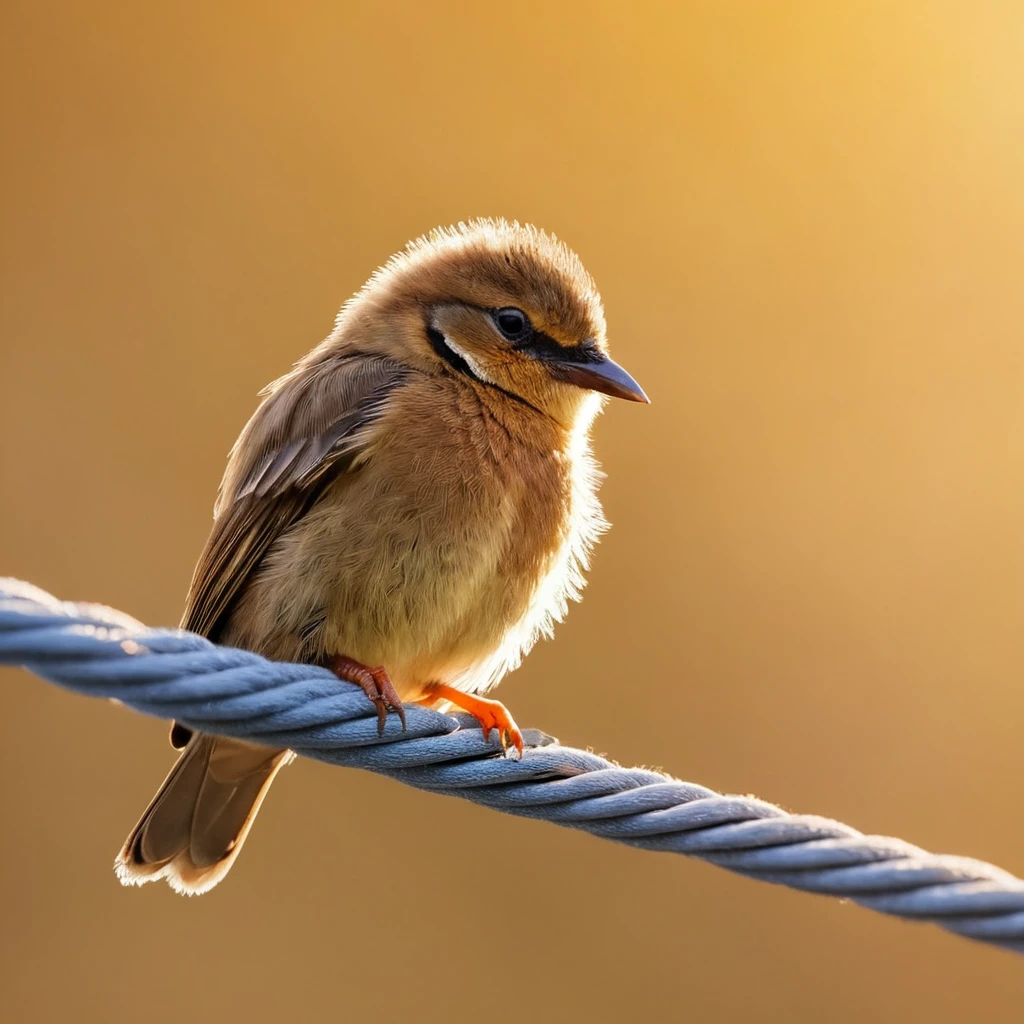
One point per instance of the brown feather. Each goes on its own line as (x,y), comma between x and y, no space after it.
(196,824)
(311,425)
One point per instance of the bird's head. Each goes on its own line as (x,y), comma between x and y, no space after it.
(508,306)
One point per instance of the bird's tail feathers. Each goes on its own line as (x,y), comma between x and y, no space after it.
(194,828)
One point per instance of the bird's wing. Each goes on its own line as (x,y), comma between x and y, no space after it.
(313,424)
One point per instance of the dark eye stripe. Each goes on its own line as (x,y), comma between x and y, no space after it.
(536,344)
(540,345)
(543,346)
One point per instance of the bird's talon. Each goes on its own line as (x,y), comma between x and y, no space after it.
(375,683)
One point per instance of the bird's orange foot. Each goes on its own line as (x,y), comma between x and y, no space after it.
(491,714)
(375,683)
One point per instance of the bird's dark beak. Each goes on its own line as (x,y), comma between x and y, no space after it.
(602,375)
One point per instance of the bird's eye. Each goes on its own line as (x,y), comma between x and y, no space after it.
(513,323)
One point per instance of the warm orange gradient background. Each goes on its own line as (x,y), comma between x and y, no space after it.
(807,221)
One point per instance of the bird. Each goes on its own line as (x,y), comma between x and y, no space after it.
(413,505)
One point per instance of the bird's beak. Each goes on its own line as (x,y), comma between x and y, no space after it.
(603,375)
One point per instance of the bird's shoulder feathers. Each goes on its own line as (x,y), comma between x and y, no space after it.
(312,424)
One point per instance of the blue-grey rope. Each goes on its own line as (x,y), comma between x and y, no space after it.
(172,674)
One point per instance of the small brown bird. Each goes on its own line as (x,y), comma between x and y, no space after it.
(413,506)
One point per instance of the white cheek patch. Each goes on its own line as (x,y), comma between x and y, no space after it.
(471,361)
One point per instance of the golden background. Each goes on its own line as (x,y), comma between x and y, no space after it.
(807,221)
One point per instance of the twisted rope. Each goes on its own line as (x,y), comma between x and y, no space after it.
(172,674)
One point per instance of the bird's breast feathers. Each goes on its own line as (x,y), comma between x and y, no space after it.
(454,545)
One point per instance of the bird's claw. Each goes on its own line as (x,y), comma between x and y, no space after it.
(494,715)
(375,683)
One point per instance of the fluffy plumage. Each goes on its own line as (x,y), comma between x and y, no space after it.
(418,493)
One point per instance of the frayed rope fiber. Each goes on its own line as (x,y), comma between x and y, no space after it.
(173,674)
